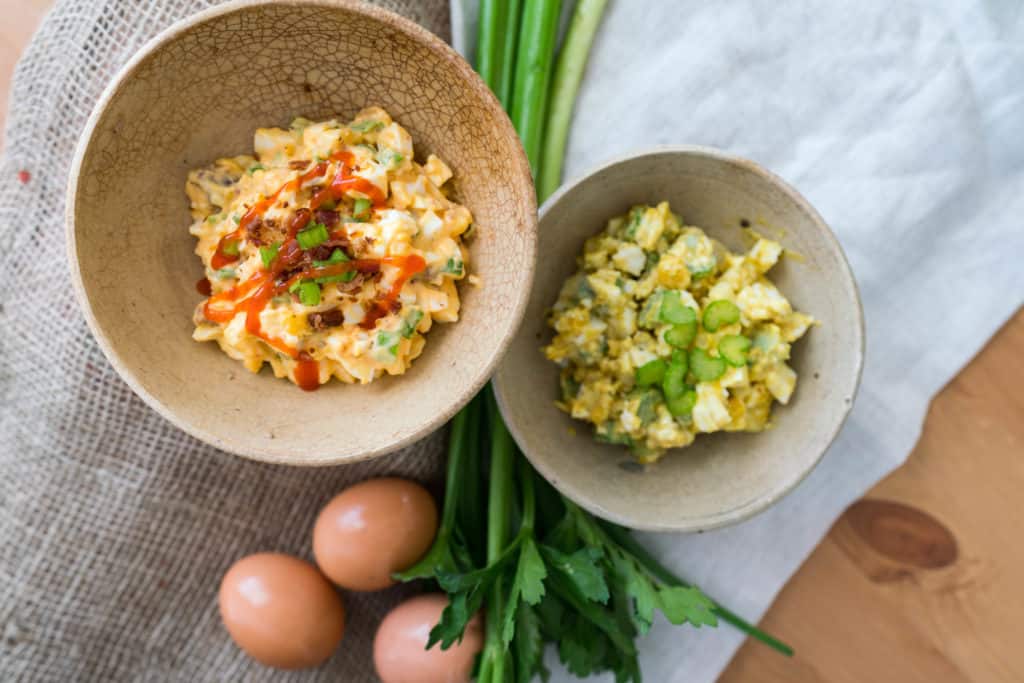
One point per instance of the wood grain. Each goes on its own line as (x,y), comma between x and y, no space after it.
(885,597)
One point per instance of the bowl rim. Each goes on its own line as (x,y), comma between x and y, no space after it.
(414,32)
(761,502)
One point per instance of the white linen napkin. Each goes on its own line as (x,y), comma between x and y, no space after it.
(901,123)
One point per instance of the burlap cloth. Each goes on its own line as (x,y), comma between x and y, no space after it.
(115,527)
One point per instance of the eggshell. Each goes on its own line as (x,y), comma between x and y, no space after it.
(373,529)
(399,652)
(281,610)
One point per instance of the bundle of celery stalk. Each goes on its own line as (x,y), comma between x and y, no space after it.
(543,569)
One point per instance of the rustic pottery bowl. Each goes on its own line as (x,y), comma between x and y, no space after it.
(198,92)
(721,478)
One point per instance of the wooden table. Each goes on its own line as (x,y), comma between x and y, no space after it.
(919,580)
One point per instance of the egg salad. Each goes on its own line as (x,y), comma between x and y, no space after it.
(663,333)
(329,253)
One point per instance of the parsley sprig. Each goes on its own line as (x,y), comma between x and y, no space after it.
(544,570)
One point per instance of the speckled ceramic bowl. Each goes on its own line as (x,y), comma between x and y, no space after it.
(721,478)
(198,92)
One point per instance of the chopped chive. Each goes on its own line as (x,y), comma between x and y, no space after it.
(213,218)
(236,218)
(226,274)
(309,293)
(651,373)
(347,276)
(337,256)
(315,235)
(268,254)
(295,286)
(230,247)
(256,167)
(454,266)
(733,348)
(367,126)
(388,341)
(389,158)
(410,324)
(674,311)
(361,209)
(706,368)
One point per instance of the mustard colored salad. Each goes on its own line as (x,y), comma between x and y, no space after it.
(663,333)
(330,253)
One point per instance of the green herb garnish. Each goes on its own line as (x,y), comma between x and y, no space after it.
(226,274)
(313,236)
(337,256)
(268,254)
(230,247)
(454,266)
(367,126)
(361,210)
(309,293)
(411,322)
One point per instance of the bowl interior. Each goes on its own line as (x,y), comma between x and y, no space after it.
(721,478)
(198,93)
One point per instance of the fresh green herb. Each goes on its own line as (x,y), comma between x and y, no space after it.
(411,322)
(231,247)
(572,59)
(315,235)
(651,373)
(533,73)
(367,126)
(388,341)
(256,167)
(706,368)
(337,256)
(674,311)
(733,348)
(309,293)
(213,218)
(389,158)
(226,274)
(719,313)
(361,209)
(268,254)
(454,267)
(236,218)
(347,276)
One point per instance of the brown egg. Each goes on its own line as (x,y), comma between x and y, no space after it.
(281,610)
(373,529)
(399,652)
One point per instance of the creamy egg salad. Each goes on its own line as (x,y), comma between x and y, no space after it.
(663,333)
(330,253)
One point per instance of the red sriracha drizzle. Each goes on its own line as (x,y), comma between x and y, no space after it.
(253,295)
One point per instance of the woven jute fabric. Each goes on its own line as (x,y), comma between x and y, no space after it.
(116,527)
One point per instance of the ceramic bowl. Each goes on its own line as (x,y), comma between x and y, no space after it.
(721,478)
(198,92)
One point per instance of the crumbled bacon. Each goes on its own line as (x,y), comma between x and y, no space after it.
(321,320)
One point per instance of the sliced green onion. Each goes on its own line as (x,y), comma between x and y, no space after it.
(683,403)
(719,313)
(213,218)
(674,311)
(361,209)
(236,218)
(733,348)
(268,254)
(256,167)
(572,59)
(347,276)
(367,126)
(410,324)
(309,293)
(389,158)
(313,236)
(537,37)
(454,267)
(683,334)
(388,341)
(226,273)
(705,367)
(651,373)
(337,256)
(674,383)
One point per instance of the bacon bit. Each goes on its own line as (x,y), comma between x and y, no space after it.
(24,176)
(298,164)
